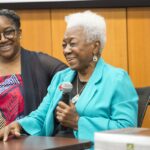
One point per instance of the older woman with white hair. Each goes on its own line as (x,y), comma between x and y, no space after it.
(102,98)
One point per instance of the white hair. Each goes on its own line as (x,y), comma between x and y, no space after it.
(93,24)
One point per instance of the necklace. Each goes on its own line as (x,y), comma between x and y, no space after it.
(76,97)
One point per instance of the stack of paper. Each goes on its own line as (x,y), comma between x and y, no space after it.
(123,139)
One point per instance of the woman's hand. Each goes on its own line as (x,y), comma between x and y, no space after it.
(11,130)
(67,115)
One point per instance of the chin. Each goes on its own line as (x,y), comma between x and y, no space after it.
(7,55)
(73,67)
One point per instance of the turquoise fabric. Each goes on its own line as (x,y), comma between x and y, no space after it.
(108,101)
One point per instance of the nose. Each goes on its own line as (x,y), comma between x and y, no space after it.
(67,49)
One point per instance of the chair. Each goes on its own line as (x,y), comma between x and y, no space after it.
(144,101)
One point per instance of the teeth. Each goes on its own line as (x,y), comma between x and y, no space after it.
(5,47)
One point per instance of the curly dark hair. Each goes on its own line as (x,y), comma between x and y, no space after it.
(11,14)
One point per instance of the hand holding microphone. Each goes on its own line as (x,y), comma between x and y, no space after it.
(65,111)
(66,88)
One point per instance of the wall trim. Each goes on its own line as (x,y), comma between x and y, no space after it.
(74,4)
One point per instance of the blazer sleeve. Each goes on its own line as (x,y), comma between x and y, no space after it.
(123,111)
(33,123)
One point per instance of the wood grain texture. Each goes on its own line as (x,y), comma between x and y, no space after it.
(138,23)
(146,121)
(36,30)
(115,51)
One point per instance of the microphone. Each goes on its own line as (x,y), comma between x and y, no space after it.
(66,88)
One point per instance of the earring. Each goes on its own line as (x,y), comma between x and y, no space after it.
(95,58)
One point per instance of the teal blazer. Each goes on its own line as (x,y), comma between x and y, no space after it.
(108,101)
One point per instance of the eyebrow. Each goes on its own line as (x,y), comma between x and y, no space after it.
(9,28)
(70,38)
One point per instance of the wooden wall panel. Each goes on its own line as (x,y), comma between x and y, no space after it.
(146,121)
(115,51)
(36,30)
(138,24)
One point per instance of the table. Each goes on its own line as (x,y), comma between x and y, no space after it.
(44,143)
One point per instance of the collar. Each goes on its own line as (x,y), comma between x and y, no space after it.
(95,77)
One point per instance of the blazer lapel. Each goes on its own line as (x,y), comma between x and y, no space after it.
(86,96)
(90,89)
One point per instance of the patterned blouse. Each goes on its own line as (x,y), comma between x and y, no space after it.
(11,99)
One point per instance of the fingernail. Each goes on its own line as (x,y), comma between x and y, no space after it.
(17,133)
(4,140)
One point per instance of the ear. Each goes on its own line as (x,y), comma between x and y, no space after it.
(96,49)
(20,33)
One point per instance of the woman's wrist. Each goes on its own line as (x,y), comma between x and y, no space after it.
(76,123)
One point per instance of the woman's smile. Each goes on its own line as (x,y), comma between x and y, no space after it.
(70,59)
(6,47)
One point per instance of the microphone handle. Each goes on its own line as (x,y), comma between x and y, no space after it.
(65,98)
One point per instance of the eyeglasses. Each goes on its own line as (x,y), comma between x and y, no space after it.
(8,34)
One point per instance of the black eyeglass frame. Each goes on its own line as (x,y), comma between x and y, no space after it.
(8,34)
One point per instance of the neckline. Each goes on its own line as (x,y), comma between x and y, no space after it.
(9,75)
(82,84)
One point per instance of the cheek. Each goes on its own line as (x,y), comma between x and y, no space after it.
(86,56)
(17,43)
(16,46)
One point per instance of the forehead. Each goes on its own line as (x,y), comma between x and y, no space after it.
(5,22)
(74,32)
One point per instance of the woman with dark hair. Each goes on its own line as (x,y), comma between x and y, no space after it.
(24,75)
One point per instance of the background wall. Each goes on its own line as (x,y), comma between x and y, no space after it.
(128,34)
(128,38)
